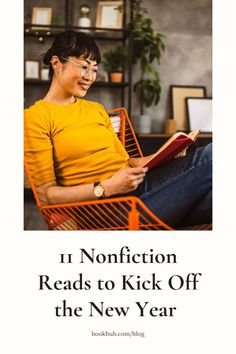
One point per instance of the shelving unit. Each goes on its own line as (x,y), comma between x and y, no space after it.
(43,33)
(97,33)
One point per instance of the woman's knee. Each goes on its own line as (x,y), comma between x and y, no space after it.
(208,150)
(203,154)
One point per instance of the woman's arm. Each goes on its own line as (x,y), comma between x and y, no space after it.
(123,181)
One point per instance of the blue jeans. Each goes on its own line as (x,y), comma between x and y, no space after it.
(180,191)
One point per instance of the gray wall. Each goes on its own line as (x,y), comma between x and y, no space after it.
(187,25)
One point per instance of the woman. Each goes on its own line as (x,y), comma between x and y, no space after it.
(74,155)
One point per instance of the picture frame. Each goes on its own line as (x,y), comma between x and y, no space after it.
(108,16)
(32,69)
(179,93)
(199,112)
(41,16)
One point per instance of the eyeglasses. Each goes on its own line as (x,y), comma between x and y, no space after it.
(97,73)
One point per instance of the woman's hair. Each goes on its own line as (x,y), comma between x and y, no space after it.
(71,43)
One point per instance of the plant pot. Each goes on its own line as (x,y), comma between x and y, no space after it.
(145,124)
(116,76)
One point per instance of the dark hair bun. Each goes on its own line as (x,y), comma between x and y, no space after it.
(47,57)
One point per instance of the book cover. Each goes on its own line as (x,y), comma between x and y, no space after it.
(177,143)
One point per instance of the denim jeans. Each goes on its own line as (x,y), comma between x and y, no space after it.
(180,191)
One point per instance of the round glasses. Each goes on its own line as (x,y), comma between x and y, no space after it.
(85,70)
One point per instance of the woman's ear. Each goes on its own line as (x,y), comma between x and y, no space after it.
(55,63)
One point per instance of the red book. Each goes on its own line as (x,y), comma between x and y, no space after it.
(177,143)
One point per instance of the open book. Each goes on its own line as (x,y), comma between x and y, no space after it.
(177,143)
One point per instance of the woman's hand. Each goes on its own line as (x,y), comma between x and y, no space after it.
(181,154)
(138,161)
(124,181)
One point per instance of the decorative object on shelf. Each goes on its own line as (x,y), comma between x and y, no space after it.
(170,126)
(145,123)
(199,111)
(109,14)
(114,62)
(45,74)
(84,20)
(178,94)
(32,69)
(41,16)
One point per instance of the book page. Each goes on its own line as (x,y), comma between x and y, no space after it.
(193,135)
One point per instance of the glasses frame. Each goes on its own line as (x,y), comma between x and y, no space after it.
(96,75)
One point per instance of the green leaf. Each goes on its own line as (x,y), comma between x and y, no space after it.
(148,46)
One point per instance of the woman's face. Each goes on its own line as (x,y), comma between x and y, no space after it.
(76,75)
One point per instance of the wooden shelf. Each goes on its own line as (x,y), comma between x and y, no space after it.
(110,84)
(38,31)
(95,84)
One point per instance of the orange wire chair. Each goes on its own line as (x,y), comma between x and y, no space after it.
(120,213)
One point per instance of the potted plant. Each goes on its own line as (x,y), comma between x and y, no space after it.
(148,46)
(114,62)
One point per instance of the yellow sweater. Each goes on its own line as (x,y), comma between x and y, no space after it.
(72,144)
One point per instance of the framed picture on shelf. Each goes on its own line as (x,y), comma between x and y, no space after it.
(44,74)
(178,105)
(199,111)
(32,69)
(41,16)
(108,14)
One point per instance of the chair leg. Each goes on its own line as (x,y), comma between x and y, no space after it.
(133,219)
